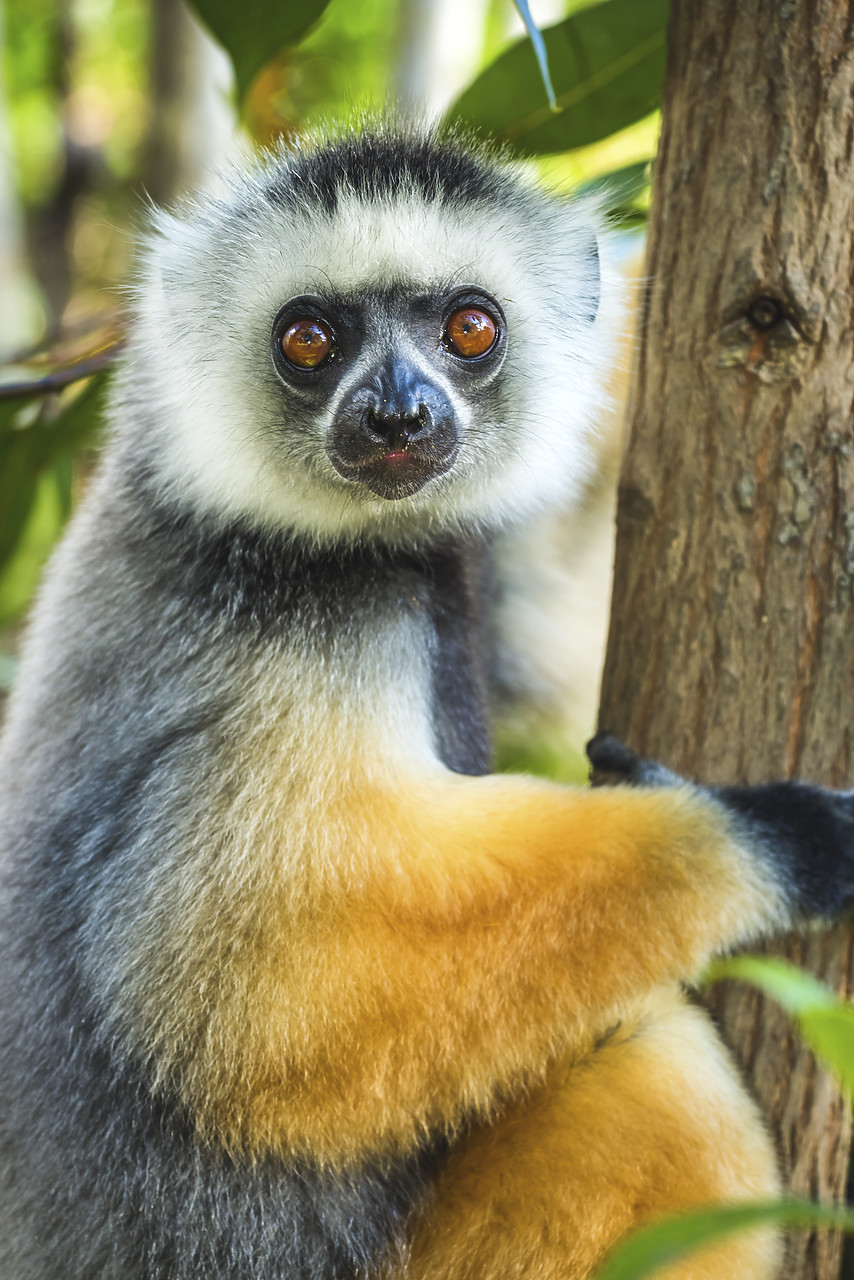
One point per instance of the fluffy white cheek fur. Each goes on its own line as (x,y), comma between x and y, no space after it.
(221,445)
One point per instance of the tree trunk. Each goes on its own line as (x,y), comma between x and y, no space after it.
(192,127)
(730,650)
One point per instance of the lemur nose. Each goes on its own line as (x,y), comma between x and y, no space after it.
(397,429)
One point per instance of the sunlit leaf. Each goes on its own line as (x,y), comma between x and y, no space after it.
(542,753)
(39,531)
(648,1250)
(38,440)
(825,1022)
(797,991)
(607,66)
(253,34)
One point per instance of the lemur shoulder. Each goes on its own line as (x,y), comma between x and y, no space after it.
(294,987)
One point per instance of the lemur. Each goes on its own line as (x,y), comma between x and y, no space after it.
(293,986)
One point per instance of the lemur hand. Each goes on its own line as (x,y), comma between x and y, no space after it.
(613,762)
(805,832)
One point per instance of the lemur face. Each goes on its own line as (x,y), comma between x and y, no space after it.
(391,373)
(377,338)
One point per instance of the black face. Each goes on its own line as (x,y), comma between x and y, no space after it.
(395,427)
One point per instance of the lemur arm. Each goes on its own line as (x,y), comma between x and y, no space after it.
(484,923)
(805,832)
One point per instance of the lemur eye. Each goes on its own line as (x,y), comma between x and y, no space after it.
(470,332)
(306,343)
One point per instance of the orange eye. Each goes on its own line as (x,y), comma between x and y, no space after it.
(470,332)
(306,343)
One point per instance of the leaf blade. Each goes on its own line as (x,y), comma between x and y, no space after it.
(652,1247)
(607,66)
(253,37)
(825,1022)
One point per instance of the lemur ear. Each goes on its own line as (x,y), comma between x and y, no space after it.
(594,293)
(579,233)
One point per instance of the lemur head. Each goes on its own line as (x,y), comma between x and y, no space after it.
(385,334)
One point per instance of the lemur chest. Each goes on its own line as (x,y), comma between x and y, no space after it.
(372,635)
(406,649)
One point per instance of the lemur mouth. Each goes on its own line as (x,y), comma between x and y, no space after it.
(394,473)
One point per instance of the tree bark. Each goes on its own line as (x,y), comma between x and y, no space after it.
(730,649)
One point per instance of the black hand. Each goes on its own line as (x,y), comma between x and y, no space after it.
(613,762)
(807,833)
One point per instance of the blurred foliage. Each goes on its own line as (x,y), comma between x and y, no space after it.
(543,751)
(82,68)
(624,194)
(44,426)
(31,54)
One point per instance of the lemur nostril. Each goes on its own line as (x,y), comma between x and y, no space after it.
(397,429)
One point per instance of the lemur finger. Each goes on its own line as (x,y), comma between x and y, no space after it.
(607,754)
(613,762)
(808,837)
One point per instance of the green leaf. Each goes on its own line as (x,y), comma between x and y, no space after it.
(825,1022)
(253,34)
(623,192)
(798,992)
(40,529)
(544,754)
(539,50)
(668,1241)
(18,470)
(620,186)
(78,425)
(607,66)
(37,444)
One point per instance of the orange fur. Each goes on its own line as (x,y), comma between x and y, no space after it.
(469,930)
(651,1121)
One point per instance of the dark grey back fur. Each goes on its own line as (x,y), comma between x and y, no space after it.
(148,612)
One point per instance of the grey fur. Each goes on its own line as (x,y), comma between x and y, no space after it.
(116,730)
